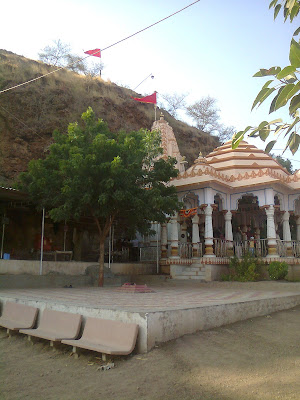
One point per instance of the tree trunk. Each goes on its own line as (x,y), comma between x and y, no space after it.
(101,263)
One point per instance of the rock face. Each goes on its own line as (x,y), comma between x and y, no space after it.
(29,114)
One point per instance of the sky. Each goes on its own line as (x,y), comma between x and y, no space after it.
(212,48)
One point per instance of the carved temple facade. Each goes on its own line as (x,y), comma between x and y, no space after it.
(235,201)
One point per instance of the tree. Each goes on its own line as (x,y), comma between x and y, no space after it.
(110,177)
(60,55)
(285,85)
(207,118)
(284,162)
(174,102)
(56,54)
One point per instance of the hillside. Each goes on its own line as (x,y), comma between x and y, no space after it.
(30,114)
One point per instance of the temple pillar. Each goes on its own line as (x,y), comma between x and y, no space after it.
(164,240)
(183,232)
(287,233)
(208,233)
(195,236)
(271,232)
(174,236)
(228,232)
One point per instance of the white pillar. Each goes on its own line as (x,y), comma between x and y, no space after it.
(164,240)
(271,232)
(208,233)
(174,236)
(183,232)
(287,233)
(195,236)
(228,232)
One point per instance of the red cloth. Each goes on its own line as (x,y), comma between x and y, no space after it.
(95,52)
(148,99)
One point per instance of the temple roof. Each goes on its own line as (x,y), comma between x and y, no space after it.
(245,157)
(244,166)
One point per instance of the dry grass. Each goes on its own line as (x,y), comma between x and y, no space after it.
(30,114)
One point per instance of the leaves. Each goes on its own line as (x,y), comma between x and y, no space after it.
(270,146)
(266,72)
(295,54)
(276,10)
(294,143)
(263,94)
(286,71)
(288,91)
(295,104)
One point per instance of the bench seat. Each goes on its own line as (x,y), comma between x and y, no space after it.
(107,337)
(56,325)
(17,316)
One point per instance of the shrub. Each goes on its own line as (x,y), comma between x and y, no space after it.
(278,270)
(248,268)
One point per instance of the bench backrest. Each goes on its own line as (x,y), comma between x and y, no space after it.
(109,332)
(21,313)
(62,322)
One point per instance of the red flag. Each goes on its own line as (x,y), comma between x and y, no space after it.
(148,99)
(95,52)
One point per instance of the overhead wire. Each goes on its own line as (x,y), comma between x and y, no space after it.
(21,122)
(108,47)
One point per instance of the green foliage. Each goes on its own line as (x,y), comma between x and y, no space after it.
(285,162)
(108,176)
(278,270)
(285,87)
(248,268)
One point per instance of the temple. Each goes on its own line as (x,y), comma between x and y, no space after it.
(234,201)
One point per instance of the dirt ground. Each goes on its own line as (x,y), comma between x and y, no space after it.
(252,359)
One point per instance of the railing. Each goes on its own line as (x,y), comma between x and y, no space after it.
(284,245)
(296,248)
(149,253)
(185,250)
(220,247)
(258,248)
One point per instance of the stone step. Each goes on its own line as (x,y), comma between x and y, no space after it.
(188,277)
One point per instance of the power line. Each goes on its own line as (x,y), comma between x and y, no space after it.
(21,122)
(108,47)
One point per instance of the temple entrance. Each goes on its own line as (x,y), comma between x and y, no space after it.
(249,227)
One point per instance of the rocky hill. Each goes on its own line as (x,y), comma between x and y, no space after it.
(30,113)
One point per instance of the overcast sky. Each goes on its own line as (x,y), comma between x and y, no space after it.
(211,48)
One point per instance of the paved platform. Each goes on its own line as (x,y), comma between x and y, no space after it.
(167,313)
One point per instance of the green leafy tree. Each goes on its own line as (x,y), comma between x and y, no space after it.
(286,163)
(108,176)
(284,86)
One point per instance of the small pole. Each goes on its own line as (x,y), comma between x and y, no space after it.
(3,231)
(42,241)
(157,252)
(109,247)
(155,107)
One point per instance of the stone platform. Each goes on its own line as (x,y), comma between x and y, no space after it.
(169,312)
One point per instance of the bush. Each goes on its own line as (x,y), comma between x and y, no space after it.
(248,268)
(278,270)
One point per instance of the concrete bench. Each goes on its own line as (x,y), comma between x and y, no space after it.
(106,337)
(55,326)
(17,316)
